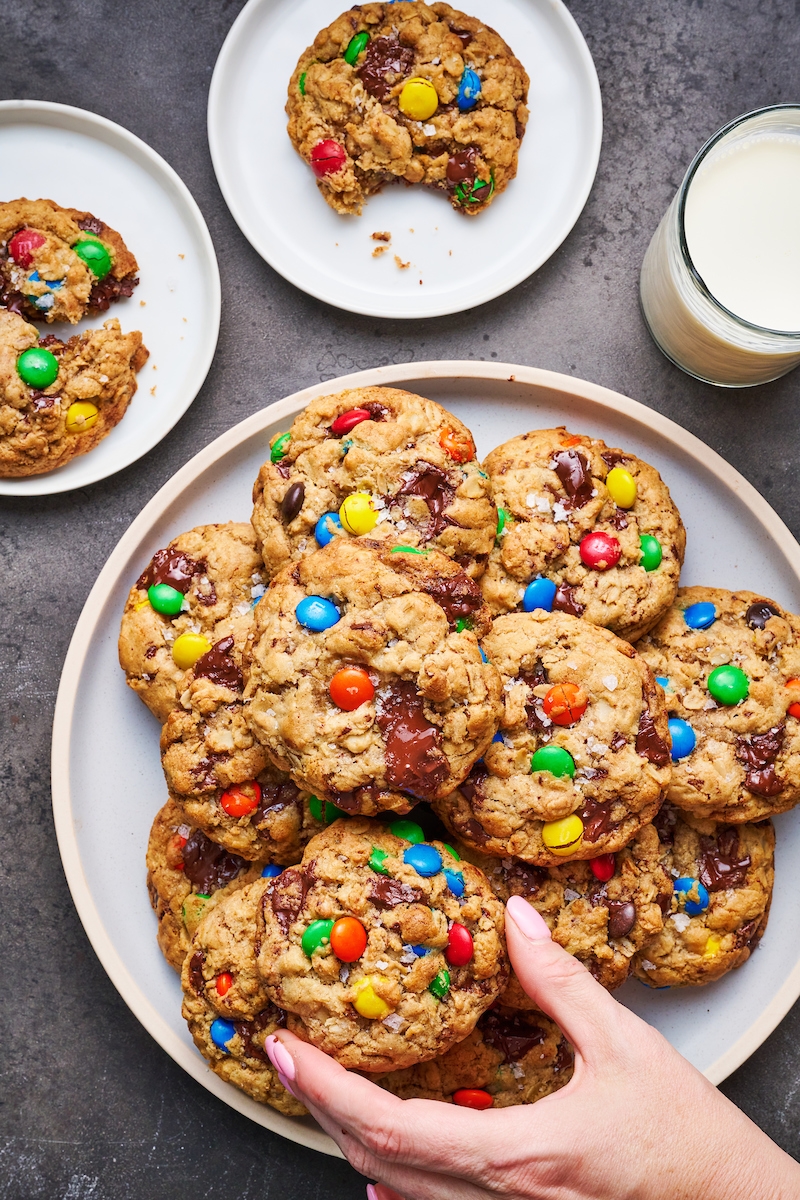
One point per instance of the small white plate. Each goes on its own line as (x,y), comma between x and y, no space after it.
(81,160)
(107,789)
(457,262)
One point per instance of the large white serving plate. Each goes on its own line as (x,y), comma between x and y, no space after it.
(458,261)
(81,160)
(735,540)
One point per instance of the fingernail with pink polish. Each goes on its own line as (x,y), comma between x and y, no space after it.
(372,1193)
(285,1083)
(527,919)
(280,1058)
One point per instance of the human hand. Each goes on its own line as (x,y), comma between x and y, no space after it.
(636,1121)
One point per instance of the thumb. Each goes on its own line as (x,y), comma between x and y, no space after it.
(561,986)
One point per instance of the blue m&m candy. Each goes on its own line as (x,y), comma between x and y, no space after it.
(323,527)
(316,613)
(540,593)
(693,907)
(498,737)
(469,90)
(221,1033)
(455,881)
(683,738)
(700,616)
(420,951)
(483,656)
(271,870)
(662,679)
(426,860)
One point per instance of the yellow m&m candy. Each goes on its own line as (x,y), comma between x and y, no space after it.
(358,514)
(81,416)
(712,946)
(188,648)
(621,487)
(368,1003)
(564,836)
(418,99)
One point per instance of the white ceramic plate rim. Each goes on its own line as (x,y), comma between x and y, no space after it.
(128,987)
(131,146)
(226,62)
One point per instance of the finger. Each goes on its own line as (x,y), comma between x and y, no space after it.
(379,1191)
(561,986)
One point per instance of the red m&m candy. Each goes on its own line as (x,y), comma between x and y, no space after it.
(350,688)
(600,551)
(603,867)
(348,420)
(328,158)
(241,799)
(459,946)
(348,939)
(472,1098)
(565,703)
(224,983)
(22,245)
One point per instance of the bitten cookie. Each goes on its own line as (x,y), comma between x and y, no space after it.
(408,91)
(723,876)
(224,1003)
(58,264)
(380,462)
(582,758)
(584,529)
(366,682)
(187,874)
(509,1058)
(730,666)
(196,592)
(383,952)
(60,399)
(601,911)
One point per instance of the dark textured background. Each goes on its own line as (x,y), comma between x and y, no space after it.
(90,1107)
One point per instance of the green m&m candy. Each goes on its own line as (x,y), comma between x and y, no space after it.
(728,684)
(440,985)
(327,813)
(410,830)
(554,759)
(317,935)
(280,448)
(95,255)
(651,552)
(165,599)
(377,859)
(38,368)
(463,623)
(355,46)
(502,517)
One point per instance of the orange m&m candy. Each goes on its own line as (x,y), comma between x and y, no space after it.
(350,688)
(794,708)
(461,449)
(472,1098)
(348,939)
(571,440)
(565,703)
(241,799)
(224,983)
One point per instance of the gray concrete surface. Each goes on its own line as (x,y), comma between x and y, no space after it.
(90,1107)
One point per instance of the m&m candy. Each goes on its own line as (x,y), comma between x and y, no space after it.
(165,599)
(241,799)
(23,244)
(418,99)
(328,814)
(460,948)
(348,939)
(221,1033)
(188,648)
(564,836)
(348,420)
(223,983)
(316,613)
(95,255)
(651,552)
(794,708)
(600,551)
(377,859)
(292,502)
(728,684)
(621,487)
(476,192)
(350,688)
(280,447)
(358,513)
(603,867)
(81,417)
(355,46)
(271,871)
(328,158)
(460,448)
(565,703)
(327,527)
(440,985)
(712,946)
(469,90)
(316,937)
(368,1003)
(502,518)
(409,830)
(555,759)
(685,885)
(455,881)
(700,616)
(683,738)
(540,593)
(472,1098)
(426,860)
(38,368)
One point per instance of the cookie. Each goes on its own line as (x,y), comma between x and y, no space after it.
(408,91)
(193,594)
(403,467)
(60,264)
(601,911)
(723,876)
(187,874)
(365,678)
(384,952)
(585,529)
(509,1058)
(224,1004)
(730,665)
(582,759)
(60,399)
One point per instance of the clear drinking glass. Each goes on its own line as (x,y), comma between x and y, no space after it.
(687,322)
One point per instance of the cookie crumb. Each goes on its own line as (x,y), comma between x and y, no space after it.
(381,235)
(403,266)
(379,250)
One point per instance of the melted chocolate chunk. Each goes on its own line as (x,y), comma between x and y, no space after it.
(463,35)
(462,166)
(618,741)
(758,755)
(458,595)
(207,866)
(749,935)
(523,879)
(576,477)
(758,614)
(664,824)
(151,652)
(40,402)
(292,502)
(107,290)
(594,772)
(196,972)
(619,520)
(564,601)
(385,64)
(433,486)
(91,225)
(664,902)
(621,917)
(172,567)
(218,666)
(414,761)
(14,301)
(249,1030)
(388,893)
(719,864)
(596,819)
(649,742)
(283,468)
(536,721)
(377,412)
(474,830)
(471,788)
(613,458)
(204,771)
(288,895)
(513,1035)
(565,1056)
(275,797)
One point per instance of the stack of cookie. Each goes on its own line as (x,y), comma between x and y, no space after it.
(503,648)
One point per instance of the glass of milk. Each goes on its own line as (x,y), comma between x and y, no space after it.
(720,283)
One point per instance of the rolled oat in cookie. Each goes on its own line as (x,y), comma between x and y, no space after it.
(382,951)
